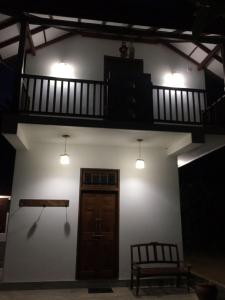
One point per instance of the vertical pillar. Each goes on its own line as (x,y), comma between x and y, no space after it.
(223,58)
(19,65)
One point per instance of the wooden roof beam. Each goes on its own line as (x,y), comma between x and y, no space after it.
(31,42)
(178,51)
(16,38)
(8,22)
(120,30)
(209,57)
(53,41)
(207,50)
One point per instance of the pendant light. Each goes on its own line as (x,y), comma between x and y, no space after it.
(140,163)
(64,158)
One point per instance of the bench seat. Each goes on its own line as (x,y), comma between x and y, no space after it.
(146,272)
(156,260)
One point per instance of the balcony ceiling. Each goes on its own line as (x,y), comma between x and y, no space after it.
(175,144)
(170,23)
(35,133)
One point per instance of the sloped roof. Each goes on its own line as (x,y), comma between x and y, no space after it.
(175,14)
(47,29)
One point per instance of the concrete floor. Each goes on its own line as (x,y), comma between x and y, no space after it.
(119,293)
(208,266)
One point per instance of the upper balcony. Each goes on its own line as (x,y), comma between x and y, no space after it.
(133,100)
(98,95)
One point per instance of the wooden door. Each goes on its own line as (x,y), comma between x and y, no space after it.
(98,235)
(98,238)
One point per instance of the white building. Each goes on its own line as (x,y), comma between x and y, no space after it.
(91,237)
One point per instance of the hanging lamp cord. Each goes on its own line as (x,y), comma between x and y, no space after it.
(65,145)
(139,149)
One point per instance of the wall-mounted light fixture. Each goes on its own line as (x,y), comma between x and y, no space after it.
(140,163)
(62,69)
(174,80)
(64,158)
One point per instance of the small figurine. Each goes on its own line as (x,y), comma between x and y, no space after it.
(123,50)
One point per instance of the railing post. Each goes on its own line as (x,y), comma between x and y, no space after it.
(19,65)
(223,58)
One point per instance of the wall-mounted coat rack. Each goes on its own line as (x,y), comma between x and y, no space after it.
(43,203)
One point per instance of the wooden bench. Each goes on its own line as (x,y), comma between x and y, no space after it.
(156,260)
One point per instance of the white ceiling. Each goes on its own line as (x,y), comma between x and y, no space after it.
(175,144)
(99,136)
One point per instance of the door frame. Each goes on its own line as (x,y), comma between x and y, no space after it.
(99,191)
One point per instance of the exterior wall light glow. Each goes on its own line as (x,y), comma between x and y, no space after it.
(63,70)
(140,163)
(64,158)
(174,80)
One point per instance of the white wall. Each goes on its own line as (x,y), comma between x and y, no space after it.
(86,55)
(149,207)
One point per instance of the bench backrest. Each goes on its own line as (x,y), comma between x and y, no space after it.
(155,253)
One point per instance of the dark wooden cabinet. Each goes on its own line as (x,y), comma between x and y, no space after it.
(129,90)
(121,66)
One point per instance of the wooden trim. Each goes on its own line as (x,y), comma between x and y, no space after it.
(207,50)
(20,64)
(195,48)
(128,38)
(223,60)
(98,188)
(45,36)
(62,24)
(77,266)
(16,39)
(101,123)
(53,41)
(43,203)
(62,79)
(31,42)
(8,22)
(178,51)
(208,58)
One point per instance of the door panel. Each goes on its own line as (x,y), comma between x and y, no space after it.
(97,253)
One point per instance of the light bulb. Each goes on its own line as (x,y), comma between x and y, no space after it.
(64,159)
(140,164)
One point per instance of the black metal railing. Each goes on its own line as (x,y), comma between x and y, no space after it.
(178,105)
(62,96)
(88,98)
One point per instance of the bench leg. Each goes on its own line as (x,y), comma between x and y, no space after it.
(137,284)
(131,281)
